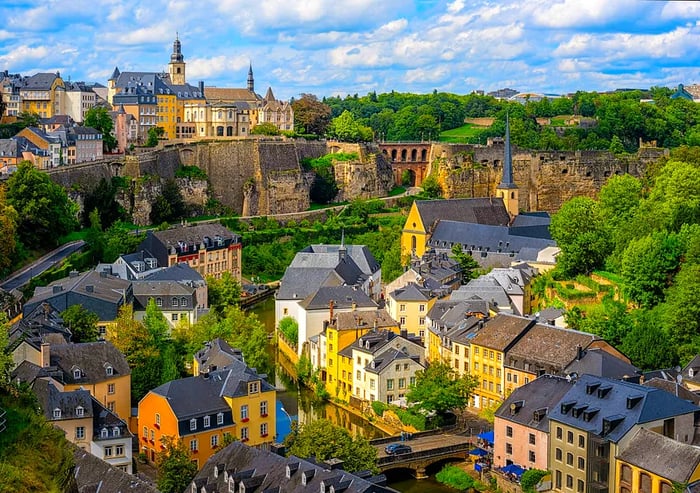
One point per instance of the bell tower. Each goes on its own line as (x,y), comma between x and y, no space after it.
(507,189)
(176,67)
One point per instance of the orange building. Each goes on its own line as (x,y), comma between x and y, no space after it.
(201,411)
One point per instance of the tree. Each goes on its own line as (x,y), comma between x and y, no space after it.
(348,129)
(581,234)
(99,119)
(467,263)
(119,240)
(169,206)
(432,187)
(175,467)
(289,327)
(647,344)
(265,128)
(324,440)
(28,119)
(6,361)
(310,115)
(103,198)
(45,212)
(8,231)
(154,135)
(82,323)
(324,187)
(530,479)
(440,388)
(223,292)
(682,313)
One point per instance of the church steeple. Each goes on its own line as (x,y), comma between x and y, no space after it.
(251,81)
(507,189)
(176,67)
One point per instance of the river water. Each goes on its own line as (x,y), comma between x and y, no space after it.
(294,404)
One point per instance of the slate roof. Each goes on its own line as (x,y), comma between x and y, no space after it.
(532,402)
(92,358)
(662,456)
(94,475)
(550,347)
(230,94)
(484,288)
(37,325)
(374,341)
(342,297)
(502,331)
(180,272)
(270,471)
(298,283)
(210,390)
(216,355)
(360,320)
(674,388)
(50,398)
(692,367)
(389,357)
(194,234)
(480,237)
(603,364)
(359,253)
(475,210)
(411,292)
(39,82)
(610,398)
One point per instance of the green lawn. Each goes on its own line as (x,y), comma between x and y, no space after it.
(467,133)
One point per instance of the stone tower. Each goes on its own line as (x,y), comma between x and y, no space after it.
(507,189)
(251,81)
(176,67)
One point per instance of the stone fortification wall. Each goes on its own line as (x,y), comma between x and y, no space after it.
(84,177)
(545,179)
(368,176)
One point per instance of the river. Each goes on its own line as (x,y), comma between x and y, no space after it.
(294,404)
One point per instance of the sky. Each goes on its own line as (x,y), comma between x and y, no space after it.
(341,47)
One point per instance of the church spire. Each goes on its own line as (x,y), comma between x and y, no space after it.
(507,189)
(176,67)
(251,81)
(176,55)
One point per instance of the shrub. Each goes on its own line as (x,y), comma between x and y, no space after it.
(192,172)
(379,407)
(530,478)
(457,478)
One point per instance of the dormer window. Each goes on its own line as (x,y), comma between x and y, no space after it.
(175,301)
(56,413)
(193,424)
(116,431)
(207,421)
(104,433)
(691,373)
(79,411)
(109,371)
(77,373)
(220,419)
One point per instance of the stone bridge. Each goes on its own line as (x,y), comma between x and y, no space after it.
(413,157)
(427,450)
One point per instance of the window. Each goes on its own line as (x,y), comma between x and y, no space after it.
(579,486)
(569,481)
(359,375)
(193,424)
(490,354)
(509,448)
(193,445)
(159,302)
(110,388)
(402,383)
(626,473)
(207,421)
(532,439)
(402,308)
(476,350)
(581,441)
(76,373)
(263,408)
(173,317)
(158,419)
(531,456)
(111,405)
(371,383)
(244,412)
(108,451)
(581,463)
(421,308)
(557,480)
(253,387)
(515,378)
(80,432)
(412,381)
(390,384)
(644,483)
(402,320)
(79,411)
(116,431)
(56,413)
(569,437)
(145,432)
(557,454)
(263,429)
(509,431)
(405,367)
(359,360)
(244,433)
(175,302)
(559,432)
(119,450)
(476,366)
(153,435)
(214,441)
(220,419)
(569,459)
(110,371)
(456,350)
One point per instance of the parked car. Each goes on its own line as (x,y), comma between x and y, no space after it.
(397,448)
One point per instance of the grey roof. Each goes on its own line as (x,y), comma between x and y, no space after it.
(603,364)
(389,357)
(269,471)
(37,325)
(342,297)
(692,367)
(620,406)
(502,332)
(92,358)
(39,82)
(476,210)
(298,283)
(376,340)
(359,253)
(180,272)
(662,456)
(166,290)
(217,354)
(411,292)
(480,237)
(484,288)
(210,389)
(359,320)
(673,388)
(194,234)
(50,399)
(95,475)
(530,404)
(550,314)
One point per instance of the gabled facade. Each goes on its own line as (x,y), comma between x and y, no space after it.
(41,325)
(42,94)
(439,273)
(176,301)
(410,306)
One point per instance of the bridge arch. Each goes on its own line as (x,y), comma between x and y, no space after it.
(412,156)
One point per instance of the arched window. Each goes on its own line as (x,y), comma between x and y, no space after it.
(229,131)
(644,483)
(393,154)
(413,242)
(424,155)
(219,131)
(512,195)
(414,154)
(403,154)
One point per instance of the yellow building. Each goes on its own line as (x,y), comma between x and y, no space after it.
(451,325)
(42,94)
(202,411)
(410,306)
(487,351)
(345,329)
(653,463)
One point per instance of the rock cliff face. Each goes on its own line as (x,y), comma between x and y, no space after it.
(546,179)
(368,176)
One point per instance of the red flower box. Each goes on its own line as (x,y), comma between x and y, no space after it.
(245,420)
(244,439)
(263,415)
(156,426)
(264,435)
(194,451)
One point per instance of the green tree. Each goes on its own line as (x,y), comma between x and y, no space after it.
(581,234)
(8,231)
(103,198)
(289,327)
(119,240)
(154,135)
(223,292)
(530,479)
(311,115)
(347,129)
(45,212)
(265,128)
(682,314)
(99,119)
(616,145)
(440,388)
(647,344)
(324,187)
(6,361)
(169,206)
(467,263)
(28,119)
(432,187)
(324,440)
(175,467)
(82,323)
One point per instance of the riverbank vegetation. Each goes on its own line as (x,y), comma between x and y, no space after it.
(459,479)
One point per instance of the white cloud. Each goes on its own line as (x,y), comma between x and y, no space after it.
(23,55)
(429,75)
(577,13)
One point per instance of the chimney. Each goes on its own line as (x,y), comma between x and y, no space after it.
(404,333)
(330,306)
(90,288)
(201,86)
(579,352)
(354,306)
(45,354)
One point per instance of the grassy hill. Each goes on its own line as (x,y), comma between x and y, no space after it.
(466,134)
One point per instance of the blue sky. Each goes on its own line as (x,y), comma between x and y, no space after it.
(329,47)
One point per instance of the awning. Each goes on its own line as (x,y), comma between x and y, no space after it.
(487,435)
(513,469)
(479,452)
